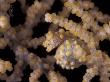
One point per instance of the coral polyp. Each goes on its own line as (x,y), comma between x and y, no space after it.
(4,24)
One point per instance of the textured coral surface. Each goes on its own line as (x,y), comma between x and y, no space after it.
(54,40)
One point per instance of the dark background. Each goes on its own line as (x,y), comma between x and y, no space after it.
(18,17)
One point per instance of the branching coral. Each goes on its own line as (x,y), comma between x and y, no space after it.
(56,77)
(5,65)
(69,53)
(76,44)
(4,23)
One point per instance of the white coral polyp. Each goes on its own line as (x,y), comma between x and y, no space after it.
(48,17)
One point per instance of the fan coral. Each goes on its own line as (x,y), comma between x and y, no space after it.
(60,40)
